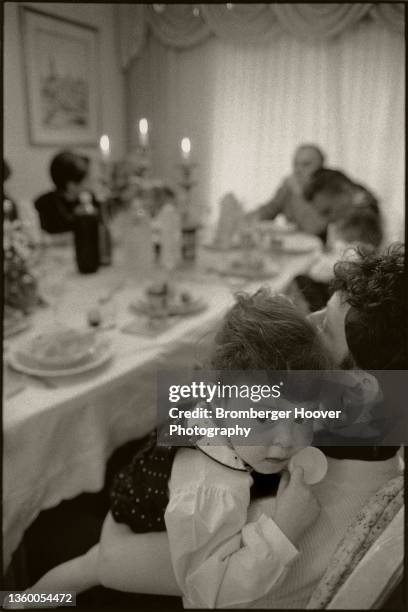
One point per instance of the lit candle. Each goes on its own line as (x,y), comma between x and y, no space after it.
(104,146)
(186,149)
(143,132)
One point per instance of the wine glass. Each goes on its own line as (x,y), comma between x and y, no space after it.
(52,288)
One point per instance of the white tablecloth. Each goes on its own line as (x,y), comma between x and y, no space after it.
(57,441)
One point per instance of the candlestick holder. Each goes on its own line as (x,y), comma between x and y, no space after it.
(140,161)
(187,183)
(190,224)
(104,185)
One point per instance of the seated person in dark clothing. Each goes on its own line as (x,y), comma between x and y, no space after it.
(335,195)
(355,221)
(70,173)
(359,228)
(10,212)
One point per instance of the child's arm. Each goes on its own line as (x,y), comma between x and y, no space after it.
(223,562)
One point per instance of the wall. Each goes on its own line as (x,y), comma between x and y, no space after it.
(29,162)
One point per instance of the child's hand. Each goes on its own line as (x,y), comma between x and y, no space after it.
(296,506)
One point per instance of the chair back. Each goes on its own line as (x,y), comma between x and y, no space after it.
(377,574)
(375,535)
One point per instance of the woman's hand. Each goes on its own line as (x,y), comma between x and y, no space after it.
(317,319)
(296,506)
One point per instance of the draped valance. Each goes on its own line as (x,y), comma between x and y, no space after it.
(186,25)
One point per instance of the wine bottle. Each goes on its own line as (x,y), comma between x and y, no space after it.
(86,235)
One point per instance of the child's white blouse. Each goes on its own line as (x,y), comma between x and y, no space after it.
(219,559)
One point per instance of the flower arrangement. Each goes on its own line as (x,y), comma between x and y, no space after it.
(20,285)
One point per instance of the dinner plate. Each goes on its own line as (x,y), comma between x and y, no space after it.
(272,227)
(219,249)
(299,244)
(269,271)
(46,350)
(103,353)
(174,309)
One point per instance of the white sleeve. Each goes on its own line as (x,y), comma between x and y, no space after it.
(218,559)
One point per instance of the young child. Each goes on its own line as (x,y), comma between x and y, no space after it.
(69,172)
(201,495)
(361,227)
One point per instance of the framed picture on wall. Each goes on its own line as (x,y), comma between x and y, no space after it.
(61,60)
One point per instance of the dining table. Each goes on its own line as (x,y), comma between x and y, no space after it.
(58,432)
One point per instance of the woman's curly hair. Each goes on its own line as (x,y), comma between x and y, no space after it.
(375,286)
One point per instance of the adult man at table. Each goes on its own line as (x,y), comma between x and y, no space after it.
(366,322)
(289,199)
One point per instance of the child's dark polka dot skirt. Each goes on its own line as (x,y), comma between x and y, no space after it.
(139,493)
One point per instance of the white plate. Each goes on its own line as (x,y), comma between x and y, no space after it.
(103,353)
(271,227)
(269,270)
(217,249)
(299,243)
(30,350)
(185,309)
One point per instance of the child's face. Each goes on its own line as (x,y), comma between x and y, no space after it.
(278,440)
(74,189)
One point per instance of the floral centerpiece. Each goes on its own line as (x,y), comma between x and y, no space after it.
(20,285)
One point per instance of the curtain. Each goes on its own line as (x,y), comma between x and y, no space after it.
(246,108)
(319,20)
(185,25)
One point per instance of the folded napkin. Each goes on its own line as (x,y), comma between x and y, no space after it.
(229,221)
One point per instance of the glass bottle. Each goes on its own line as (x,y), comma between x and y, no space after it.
(86,235)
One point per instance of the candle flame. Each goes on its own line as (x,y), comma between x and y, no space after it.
(186,146)
(143,126)
(104,144)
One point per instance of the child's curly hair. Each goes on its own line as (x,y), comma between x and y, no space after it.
(375,286)
(267,332)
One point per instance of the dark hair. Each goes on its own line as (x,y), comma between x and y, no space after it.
(68,167)
(267,332)
(376,324)
(365,199)
(330,181)
(362,226)
(307,145)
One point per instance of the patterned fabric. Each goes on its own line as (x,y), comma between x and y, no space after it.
(139,493)
(362,533)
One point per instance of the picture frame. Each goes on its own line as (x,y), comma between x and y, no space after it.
(61,64)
